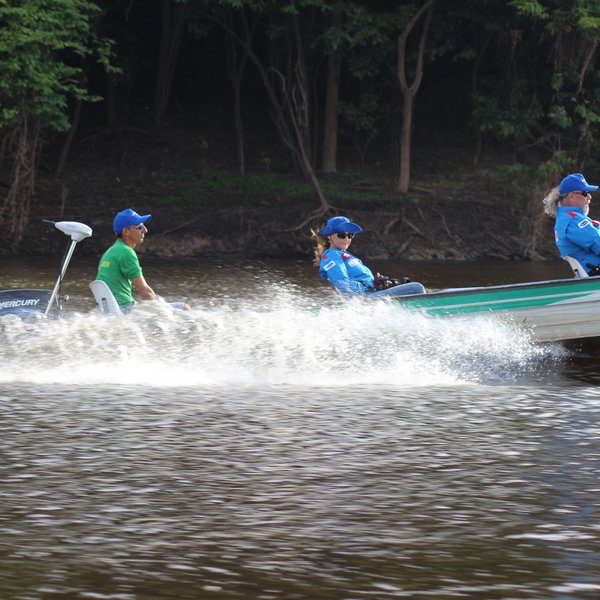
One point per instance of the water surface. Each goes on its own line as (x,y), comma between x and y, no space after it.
(275,443)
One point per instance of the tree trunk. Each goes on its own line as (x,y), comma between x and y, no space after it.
(66,147)
(111,103)
(295,100)
(300,91)
(332,94)
(409,91)
(330,126)
(173,19)
(235,68)
(239,127)
(474,89)
(405,144)
(24,144)
(290,111)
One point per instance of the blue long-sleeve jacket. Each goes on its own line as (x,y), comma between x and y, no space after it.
(345,272)
(577,236)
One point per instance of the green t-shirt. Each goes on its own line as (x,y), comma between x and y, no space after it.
(118,266)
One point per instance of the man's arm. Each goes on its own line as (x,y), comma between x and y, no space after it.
(142,289)
(585,234)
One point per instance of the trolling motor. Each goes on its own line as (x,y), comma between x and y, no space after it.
(31,301)
(77,232)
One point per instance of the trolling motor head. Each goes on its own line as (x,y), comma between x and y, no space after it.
(32,302)
(77,231)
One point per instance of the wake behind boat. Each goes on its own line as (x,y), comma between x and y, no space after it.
(551,311)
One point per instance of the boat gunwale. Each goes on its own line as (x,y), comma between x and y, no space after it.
(592,282)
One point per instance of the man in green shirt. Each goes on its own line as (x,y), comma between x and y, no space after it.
(120,267)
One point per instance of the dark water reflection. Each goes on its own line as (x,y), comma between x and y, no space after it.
(274,462)
(287,492)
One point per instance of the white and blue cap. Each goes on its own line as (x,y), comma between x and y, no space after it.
(128,218)
(575,183)
(339,225)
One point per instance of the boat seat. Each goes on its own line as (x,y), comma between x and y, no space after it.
(578,270)
(105,301)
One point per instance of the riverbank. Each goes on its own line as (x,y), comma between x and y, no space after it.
(201,207)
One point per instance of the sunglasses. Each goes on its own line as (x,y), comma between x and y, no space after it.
(138,227)
(343,236)
(582,193)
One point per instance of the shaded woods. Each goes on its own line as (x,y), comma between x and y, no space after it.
(250,110)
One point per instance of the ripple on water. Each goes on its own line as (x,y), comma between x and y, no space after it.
(316,491)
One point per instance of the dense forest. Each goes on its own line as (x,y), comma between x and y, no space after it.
(310,90)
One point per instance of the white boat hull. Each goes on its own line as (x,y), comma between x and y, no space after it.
(550,311)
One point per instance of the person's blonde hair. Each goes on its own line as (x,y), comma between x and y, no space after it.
(551,202)
(321,245)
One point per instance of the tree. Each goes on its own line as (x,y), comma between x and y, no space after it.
(173,18)
(409,90)
(332,93)
(535,91)
(569,107)
(365,107)
(236,65)
(354,28)
(534,81)
(43,48)
(284,73)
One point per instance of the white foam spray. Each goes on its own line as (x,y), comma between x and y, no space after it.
(280,338)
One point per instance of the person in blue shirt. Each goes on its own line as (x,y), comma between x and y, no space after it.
(575,233)
(347,272)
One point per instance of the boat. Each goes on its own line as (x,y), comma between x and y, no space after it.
(550,311)
(45,303)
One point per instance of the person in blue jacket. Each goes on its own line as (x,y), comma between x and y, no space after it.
(575,233)
(347,272)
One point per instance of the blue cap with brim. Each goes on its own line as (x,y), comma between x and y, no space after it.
(575,183)
(128,218)
(339,225)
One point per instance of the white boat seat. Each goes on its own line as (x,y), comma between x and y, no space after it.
(578,270)
(105,301)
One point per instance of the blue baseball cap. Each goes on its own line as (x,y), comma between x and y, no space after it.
(575,183)
(128,218)
(339,225)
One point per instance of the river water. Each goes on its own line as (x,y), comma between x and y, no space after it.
(274,443)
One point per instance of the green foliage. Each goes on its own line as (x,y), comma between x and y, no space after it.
(43,52)
(224,189)
(363,115)
(524,72)
(560,162)
(361,121)
(520,175)
(560,116)
(353,188)
(515,173)
(586,113)
(512,123)
(531,8)
(536,102)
